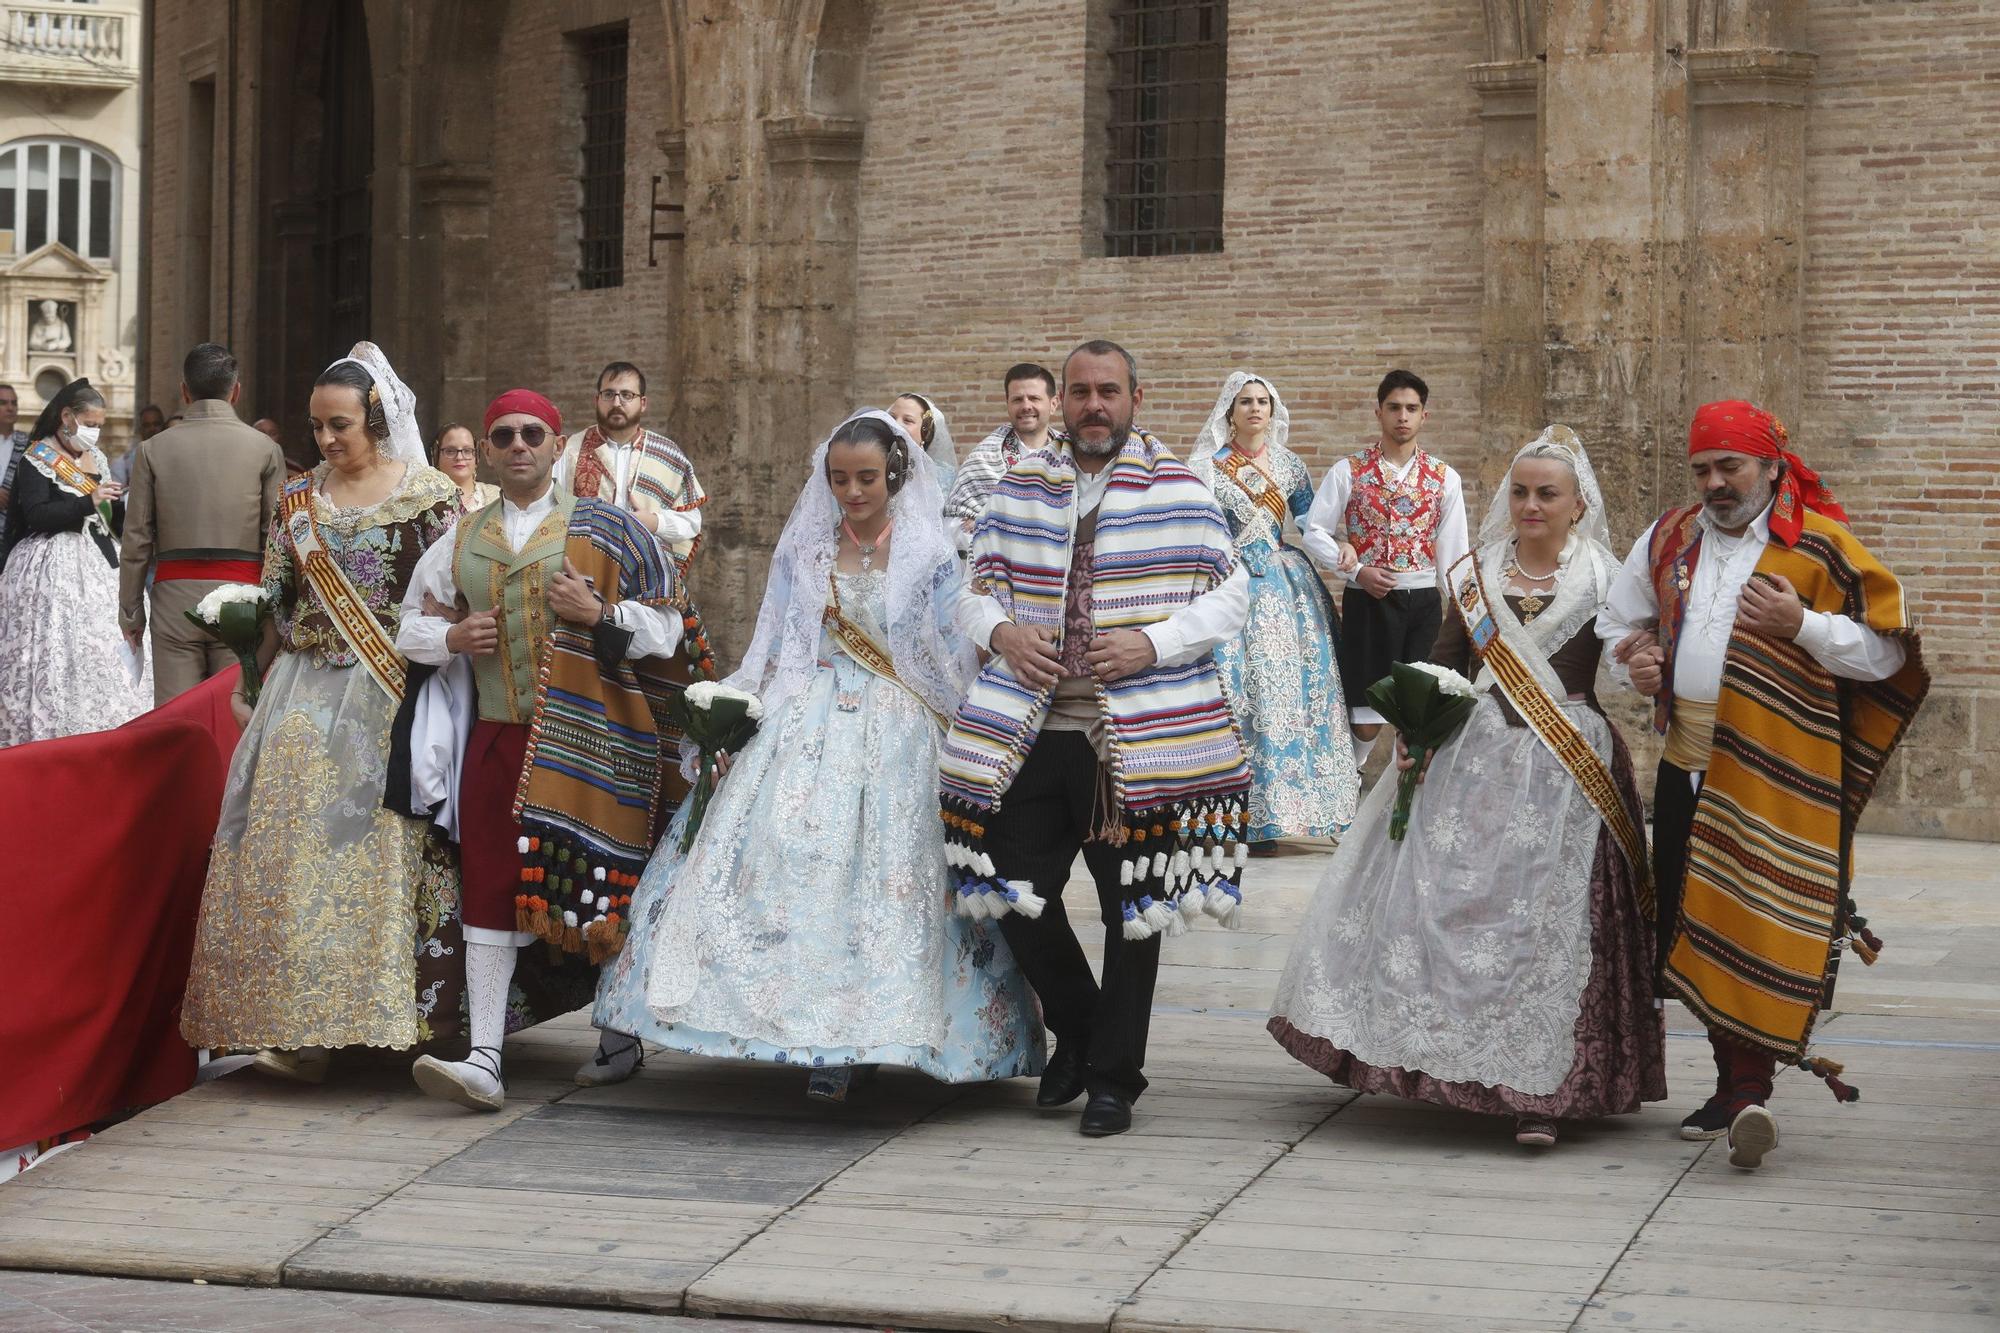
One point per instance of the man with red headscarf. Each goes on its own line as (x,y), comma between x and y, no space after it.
(1783,670)
(561,608)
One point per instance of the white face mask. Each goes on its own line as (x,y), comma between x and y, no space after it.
(86,436)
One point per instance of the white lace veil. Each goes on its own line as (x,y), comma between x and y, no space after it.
(930,655)
(1216,433)
(1592,533)
(399,404)
(942,449)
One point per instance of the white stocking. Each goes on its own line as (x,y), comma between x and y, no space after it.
(489,969)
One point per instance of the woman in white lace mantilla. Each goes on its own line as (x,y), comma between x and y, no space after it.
(1498,959)
(1280,672)
(807,925)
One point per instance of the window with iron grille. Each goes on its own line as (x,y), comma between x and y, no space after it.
(1164,155)
(601,219)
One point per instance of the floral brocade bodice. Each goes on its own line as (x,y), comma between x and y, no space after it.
(376,546)
(1253,503)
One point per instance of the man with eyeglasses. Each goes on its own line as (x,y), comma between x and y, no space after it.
(563,608)
(638,469)
(642,471)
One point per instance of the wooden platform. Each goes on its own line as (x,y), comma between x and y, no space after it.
(1251,1194)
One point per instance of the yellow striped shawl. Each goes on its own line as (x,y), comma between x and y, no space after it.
(1798,751)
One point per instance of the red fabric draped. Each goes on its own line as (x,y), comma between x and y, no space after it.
(106,841)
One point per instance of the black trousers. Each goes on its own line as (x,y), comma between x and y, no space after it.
(1400,626)
(1042,823)
(1673,818)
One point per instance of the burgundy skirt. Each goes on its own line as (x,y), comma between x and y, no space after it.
(1620,1034)
(489,855)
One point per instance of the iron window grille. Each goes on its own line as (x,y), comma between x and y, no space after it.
(1164,159)
(601,218)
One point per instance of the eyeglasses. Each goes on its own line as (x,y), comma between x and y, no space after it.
(532,436)
(460,453)
(618,396)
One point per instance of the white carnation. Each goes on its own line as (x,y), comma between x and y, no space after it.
(209,608)
(1449,681)
(704,693)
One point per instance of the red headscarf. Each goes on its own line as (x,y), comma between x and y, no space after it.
(523,400)
(1745,428)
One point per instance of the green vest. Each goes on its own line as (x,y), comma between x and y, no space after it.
(489,576)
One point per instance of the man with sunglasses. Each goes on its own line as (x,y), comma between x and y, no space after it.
(634,467)
(563,608)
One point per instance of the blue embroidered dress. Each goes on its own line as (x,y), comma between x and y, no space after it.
(1280,673)
(808,924)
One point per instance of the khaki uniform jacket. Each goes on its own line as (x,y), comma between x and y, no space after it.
(204,489)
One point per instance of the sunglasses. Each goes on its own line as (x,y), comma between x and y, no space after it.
(532,436)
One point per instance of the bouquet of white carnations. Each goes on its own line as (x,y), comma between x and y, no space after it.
(719,720)
(1425,703)
(235,613)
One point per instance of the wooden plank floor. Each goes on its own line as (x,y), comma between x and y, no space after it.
(1250,1195)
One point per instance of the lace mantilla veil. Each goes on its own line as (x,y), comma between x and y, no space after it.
(1216,433)
(399,404)
(1587,551)
(930,655)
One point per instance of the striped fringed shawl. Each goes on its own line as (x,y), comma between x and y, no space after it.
(591,786)
(1179,786)
(1766,905)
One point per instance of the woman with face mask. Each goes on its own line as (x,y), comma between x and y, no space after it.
(65,667)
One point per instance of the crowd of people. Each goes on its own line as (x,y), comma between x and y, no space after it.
(455,808)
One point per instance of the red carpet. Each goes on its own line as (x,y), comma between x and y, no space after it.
(105,839)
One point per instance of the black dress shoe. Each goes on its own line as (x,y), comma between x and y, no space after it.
(1062,1080)
(1104,1115)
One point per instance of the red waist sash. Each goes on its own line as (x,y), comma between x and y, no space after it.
(219,571)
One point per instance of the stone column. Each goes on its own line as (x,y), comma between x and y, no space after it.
(1610,161)
(1746,203)
(766,348)
(1511,383)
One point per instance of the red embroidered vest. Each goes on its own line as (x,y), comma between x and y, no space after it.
(1675,549)
(1393,525)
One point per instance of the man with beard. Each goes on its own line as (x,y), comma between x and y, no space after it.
(1031,407)
(1102,575)
(622,461)
(1783,672)
(1390,520)
(634,467)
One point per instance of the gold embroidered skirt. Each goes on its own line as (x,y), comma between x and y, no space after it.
(309,920)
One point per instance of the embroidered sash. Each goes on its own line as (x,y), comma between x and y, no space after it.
(55,462)
(1531,699)
(1266,497)
(344,604)
(861,646)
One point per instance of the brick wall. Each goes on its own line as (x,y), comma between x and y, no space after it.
(1902,357)
(1351,217)
(543,330)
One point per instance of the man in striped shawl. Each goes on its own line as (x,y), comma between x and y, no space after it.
(563,610)
(1102,575)
(1783,670)
(1031,406)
